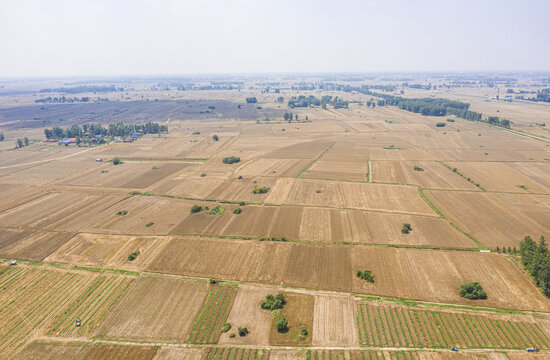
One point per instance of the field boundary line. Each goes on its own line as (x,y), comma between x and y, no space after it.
(315,160)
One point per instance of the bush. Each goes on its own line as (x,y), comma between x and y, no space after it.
(215,137)
(203,175)
(240,177)
(365,275)
(406,228)
(242,331)
(216,210)
(450,120)
(472,291)
(440,124)
(251,100)
(260,189)
(149,224)
(237,211)
(117,161)
(418,168)
(273,302)
(225,327)
(122,212)
(196,209)
(132,256)
(232,335)
(282,325)
(231,160)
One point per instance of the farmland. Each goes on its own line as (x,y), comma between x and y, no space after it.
(166,254)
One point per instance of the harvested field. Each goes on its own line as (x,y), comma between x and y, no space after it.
(216,308)
(508,177)
(272,167)
(14,195)
(304,150)
(434,175)
(179,353)
(496,219)
(333,321)
(277,354)
(54,351)
(149,308)
(228,353)
(323,225)
(421,274)
(392,326)
(122,352)
(30,244)
(336,170)
(35,298)
(199,188)
(298,310)
(362,355)
(348,195)
(246,312)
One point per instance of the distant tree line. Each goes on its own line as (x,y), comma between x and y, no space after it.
(303,101)
(115,129)
(83,89)
(63,99)
(251,100)
(536,260)
(543,95)
(19,143)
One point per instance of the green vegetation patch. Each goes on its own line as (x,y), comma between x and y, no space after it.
(365,275)
(133,255)
(260,189)
(231,159)
(273,302)
(472,291)
(216,210)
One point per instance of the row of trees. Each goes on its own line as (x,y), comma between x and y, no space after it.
(536,259)
(303,101)
(84,89)
(117,129)
(63,99)
(19,143)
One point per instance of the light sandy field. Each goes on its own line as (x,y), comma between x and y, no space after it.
(272,167)
(14,195)
(416,274)
(123,352)
(496,219)
(335,170)
(54,350)
(30,244)
(334,321)
(176,353)
(246,312)
(152,310)
(434,175)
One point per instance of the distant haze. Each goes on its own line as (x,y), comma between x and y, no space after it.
(127,37)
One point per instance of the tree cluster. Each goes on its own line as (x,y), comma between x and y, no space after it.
(472,291)
(365,275)
(251,100)
(63,99)
(273,302)
(536,260)
(231,159)
(116,129)
(83,89)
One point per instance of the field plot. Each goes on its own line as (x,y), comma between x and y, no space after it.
(379,197)
(216,308)
(232,353)
(68,211)
(163,213)
(393,326)
(496,219)
(179,353)
(54,351)
(33,298)
(179,185)
(208,148)
(433,175)
(14,195)
(434,275)
(362,355)
(336,170)
(129,175)
(333,321)
(30,244)
(155,309)
(298,310)
(495,176)
(246,312)
(303,150)
(272,167)
(122,352)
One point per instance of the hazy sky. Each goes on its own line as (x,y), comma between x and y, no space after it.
(112,37)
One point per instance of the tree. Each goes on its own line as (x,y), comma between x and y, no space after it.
(1,136)
(196,209)
(251,100)
(242,331)
(117,161)
(19,144)
(215,137)
(272,302)
(26,141)
(282,325)
(231,159)
(472,291)
(296,117)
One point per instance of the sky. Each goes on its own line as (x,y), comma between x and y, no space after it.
(169,37)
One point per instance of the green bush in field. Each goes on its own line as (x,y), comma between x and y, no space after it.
(406,228)
(237,211)
(216,210)
(472,291)
(225,327)
(273,302)
(365,275)
(260,189)
(196,209)
(132,256)
(242,331)
(231,160)
(282,325)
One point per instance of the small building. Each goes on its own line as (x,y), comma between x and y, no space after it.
(67,141)
(117,139)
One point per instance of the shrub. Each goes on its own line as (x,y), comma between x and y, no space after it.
(282,325)
(418,168)
(406,228)
(212,281)
(196,209)
(132,256)
(242,331)
(440,124)
(216,210)
(203,175)
(450,120)
(225,327)
(117,161)
(215,137)
(240,177)
(237,211)
(365,275)
(318,191)
(231,159)
(232,335)
(251,100)
(122,212)
(149,224)
(273,302)
(303,330)
(472,291)
(242,203)
(260,189)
